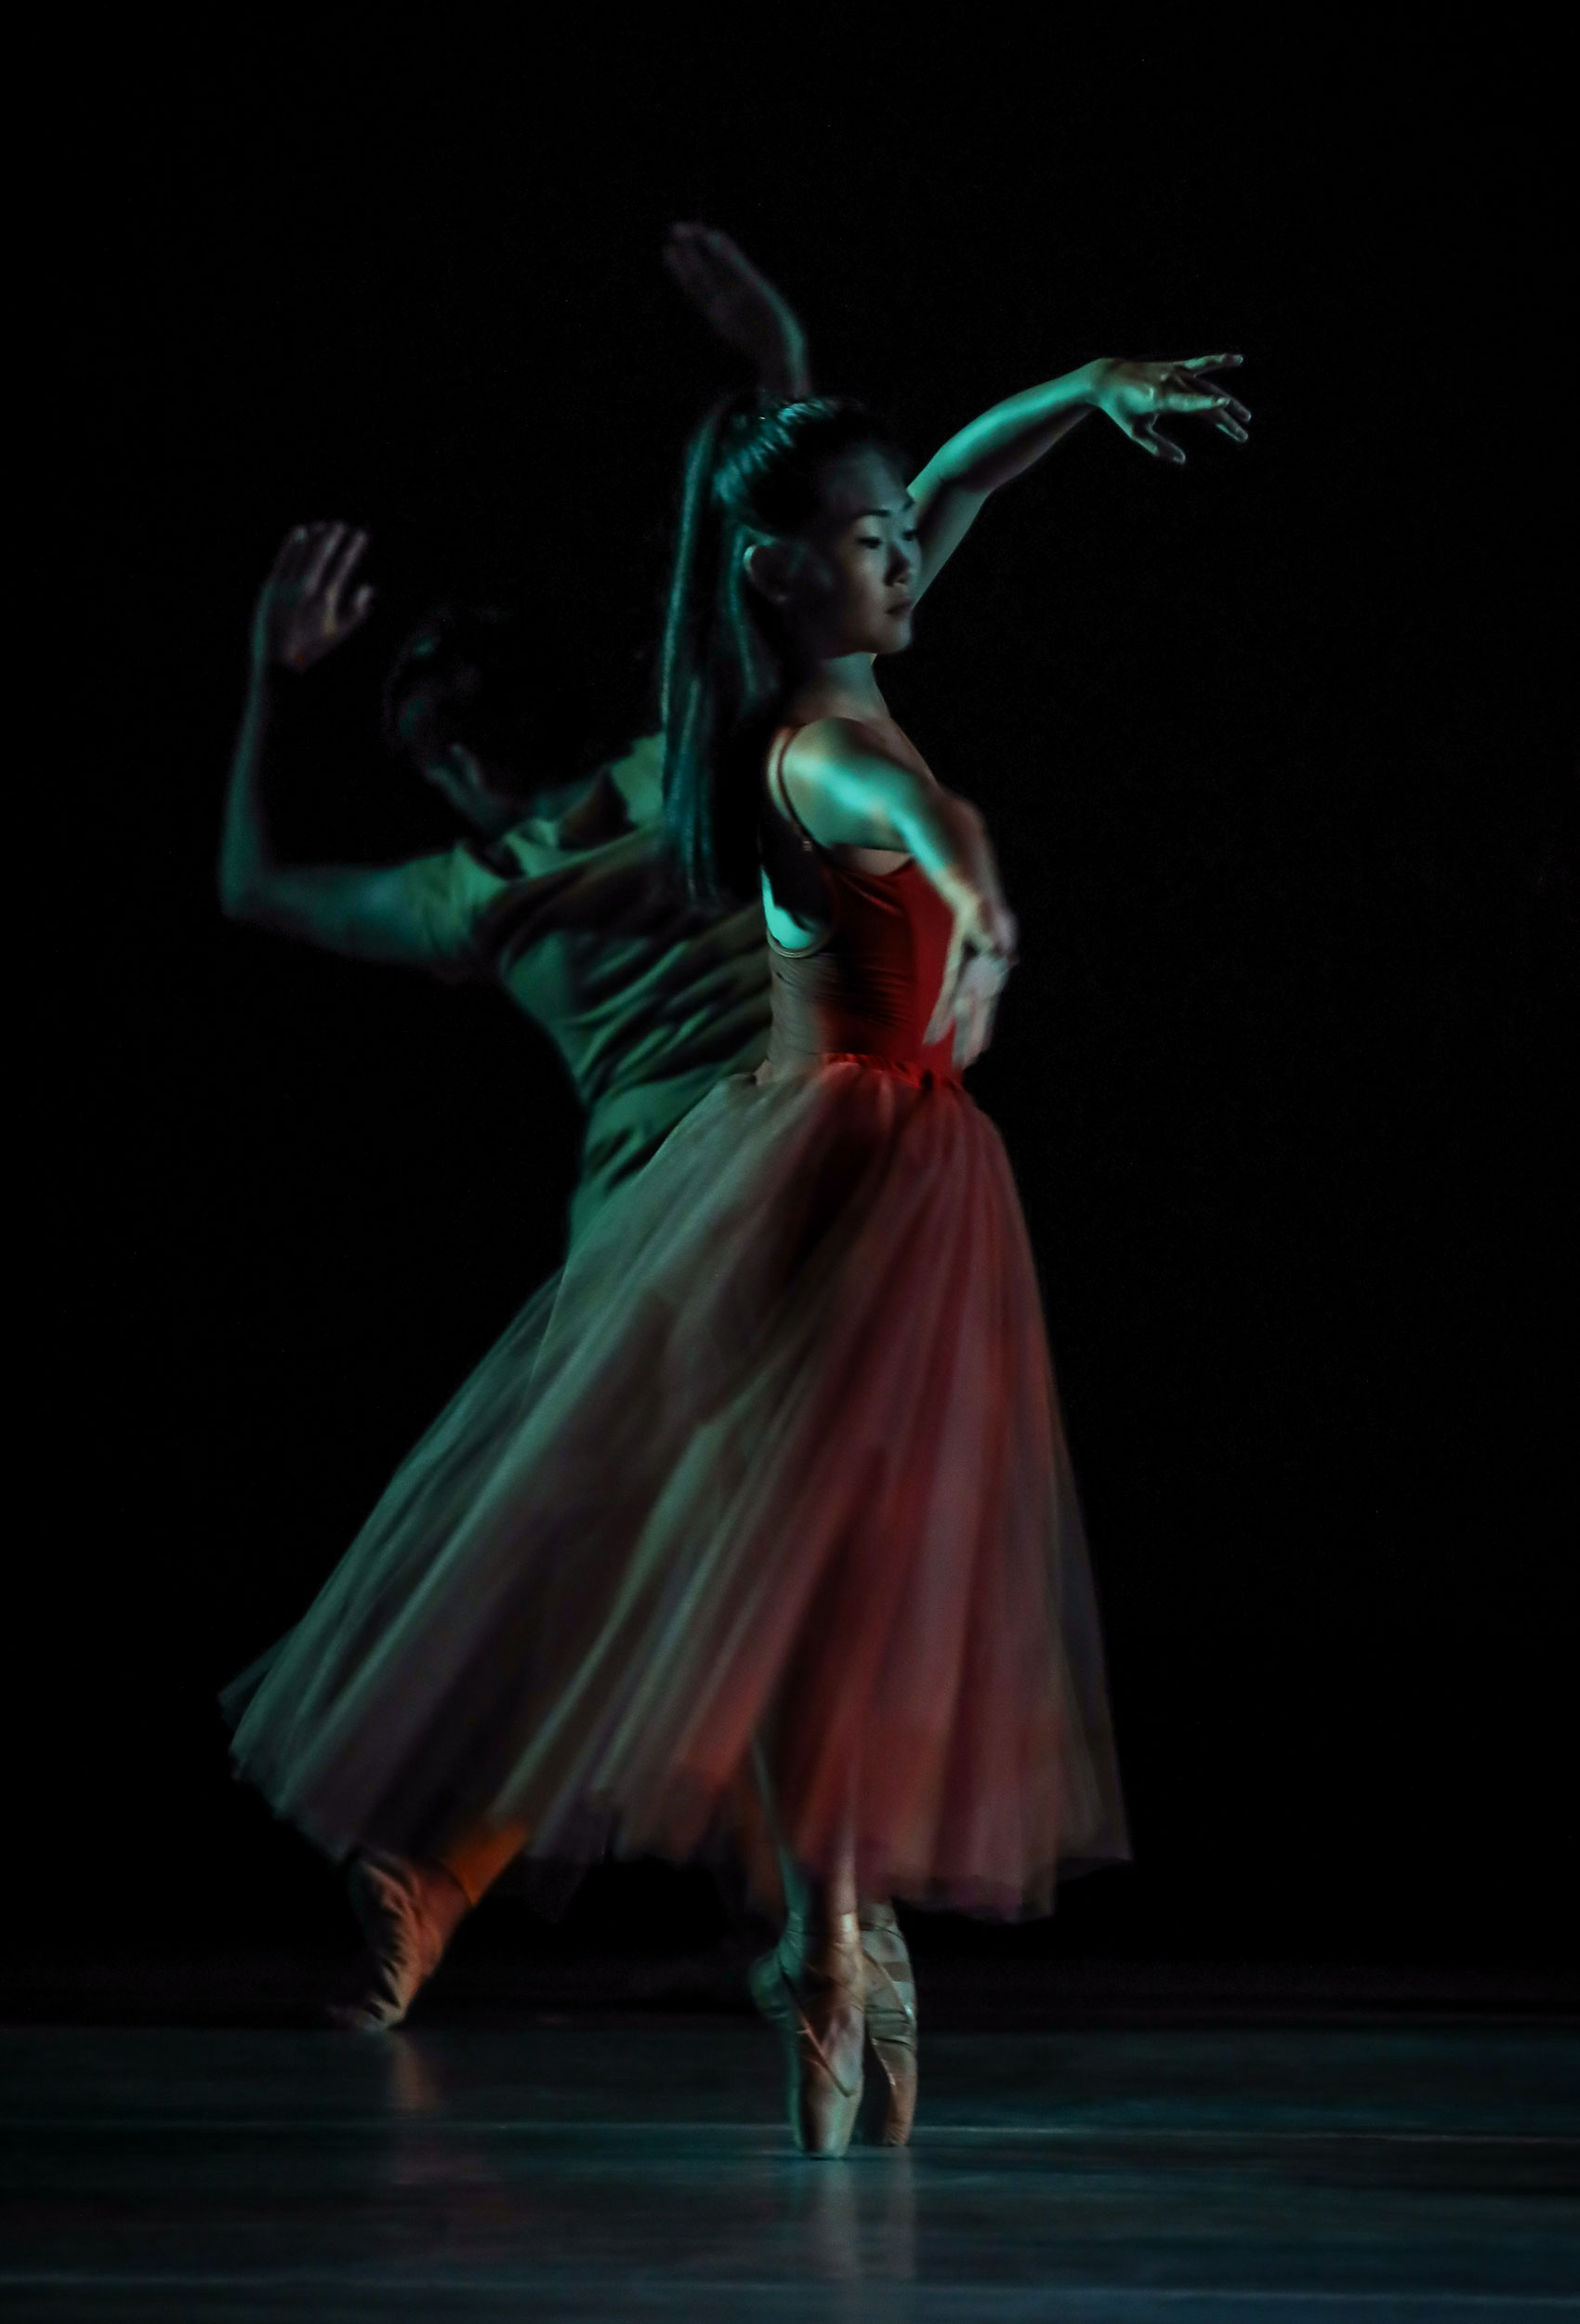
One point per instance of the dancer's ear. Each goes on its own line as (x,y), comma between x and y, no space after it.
(769,567)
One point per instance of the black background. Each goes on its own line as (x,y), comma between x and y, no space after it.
(1271,747)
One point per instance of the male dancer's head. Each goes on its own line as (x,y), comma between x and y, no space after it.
(487,716)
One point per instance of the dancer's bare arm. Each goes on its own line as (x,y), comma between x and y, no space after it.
(308,605)
(1005,442)
(851,791)
(742,307)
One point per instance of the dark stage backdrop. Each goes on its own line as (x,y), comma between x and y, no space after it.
(1277,770)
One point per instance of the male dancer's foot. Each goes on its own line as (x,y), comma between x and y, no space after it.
(409,1912)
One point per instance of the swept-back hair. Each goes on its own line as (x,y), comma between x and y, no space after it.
(753,475)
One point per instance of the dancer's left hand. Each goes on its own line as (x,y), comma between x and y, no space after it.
(975,1005)
(982,953)
(1136,396)
(748,312)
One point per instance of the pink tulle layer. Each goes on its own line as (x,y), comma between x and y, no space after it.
(778,1461)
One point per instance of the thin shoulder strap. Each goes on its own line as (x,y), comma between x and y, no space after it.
(778,790)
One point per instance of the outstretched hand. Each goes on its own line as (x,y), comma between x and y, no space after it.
(741,306)
(1136,396)
(303,610)
(982,953)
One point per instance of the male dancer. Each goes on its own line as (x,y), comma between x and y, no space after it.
(562,898)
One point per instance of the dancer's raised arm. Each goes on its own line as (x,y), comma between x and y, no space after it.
(306,607)
(1010,438)
(742,307)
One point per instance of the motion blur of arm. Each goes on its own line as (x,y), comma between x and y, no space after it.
(1014,435)
(852,792)
(752,316)
(307,608)
(743,308)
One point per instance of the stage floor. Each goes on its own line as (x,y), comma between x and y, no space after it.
(635,2169)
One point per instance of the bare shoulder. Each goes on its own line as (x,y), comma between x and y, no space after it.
(852,783)
(833,747)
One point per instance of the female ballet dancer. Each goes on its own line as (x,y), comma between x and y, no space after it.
(780,1475)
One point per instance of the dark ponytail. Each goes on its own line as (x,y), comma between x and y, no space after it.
(752,474)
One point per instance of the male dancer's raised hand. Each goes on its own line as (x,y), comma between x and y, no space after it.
(303,608)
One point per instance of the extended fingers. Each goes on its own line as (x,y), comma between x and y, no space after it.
(944,1009)
(293,554)
(1192,399)
(1184,393)
(343,564)
(1144,432)
(1188,377)
(969,1042)
(981,981)
(976,1003)
(944,1013)
(983,1013)
(324,543)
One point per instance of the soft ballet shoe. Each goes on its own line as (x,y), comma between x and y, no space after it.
(409,1912)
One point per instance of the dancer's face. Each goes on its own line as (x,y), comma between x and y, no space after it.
(849,588)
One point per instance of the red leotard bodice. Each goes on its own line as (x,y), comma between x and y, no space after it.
(867,987)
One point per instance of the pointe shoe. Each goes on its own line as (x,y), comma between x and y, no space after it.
(892,2027)
(409,1912)
(817,2010)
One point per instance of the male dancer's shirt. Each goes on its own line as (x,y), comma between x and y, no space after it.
(649,1001)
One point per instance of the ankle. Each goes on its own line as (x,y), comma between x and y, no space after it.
(446,1894)
(444,1897)
(829,1939)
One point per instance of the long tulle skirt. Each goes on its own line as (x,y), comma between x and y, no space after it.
(777,1462)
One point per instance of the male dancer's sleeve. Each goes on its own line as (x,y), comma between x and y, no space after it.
(456,900)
